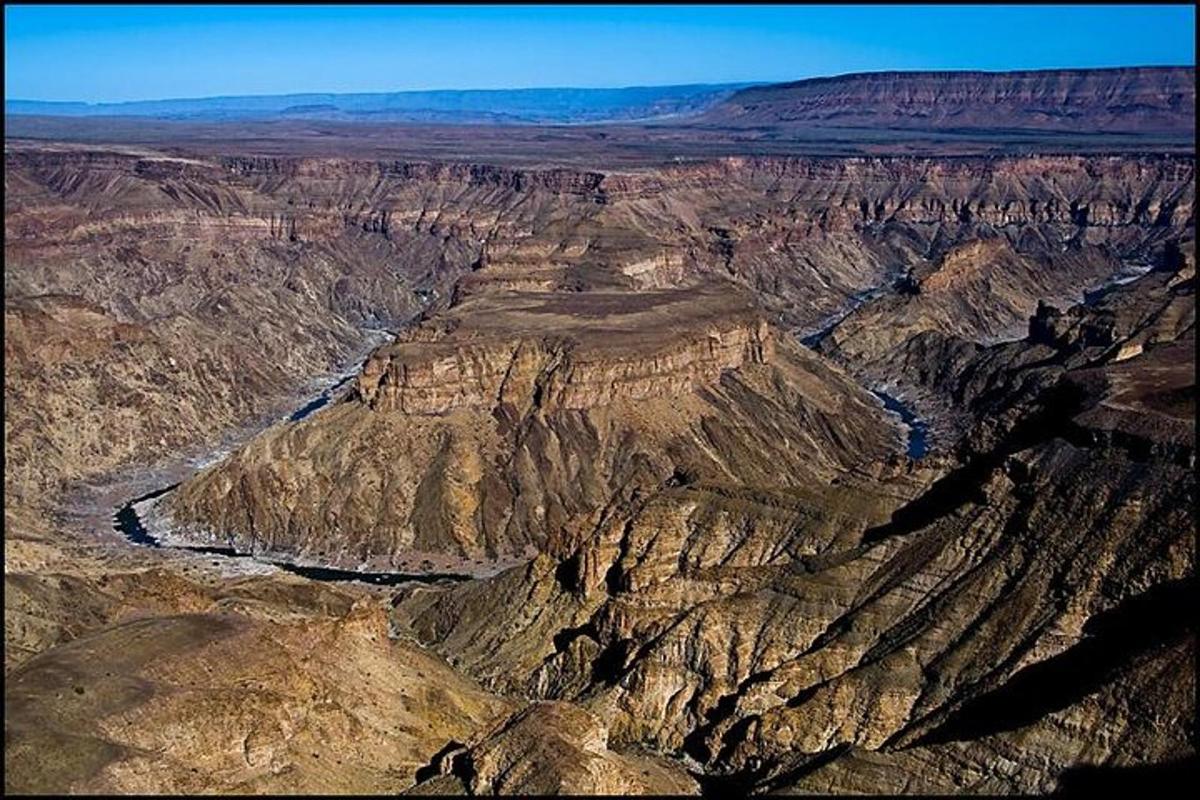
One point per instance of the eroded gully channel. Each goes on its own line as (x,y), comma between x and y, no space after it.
(919,441)
(916,429)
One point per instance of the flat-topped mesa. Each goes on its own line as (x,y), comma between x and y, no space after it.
(1125,100)
(597,348)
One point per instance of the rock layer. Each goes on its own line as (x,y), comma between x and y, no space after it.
(1136,99)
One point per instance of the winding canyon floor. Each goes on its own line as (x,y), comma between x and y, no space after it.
(750,474)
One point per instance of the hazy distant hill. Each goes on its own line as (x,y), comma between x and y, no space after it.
(1123,100)
(1092,110)
(515,106)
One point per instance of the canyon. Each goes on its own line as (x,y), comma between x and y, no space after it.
(623,426)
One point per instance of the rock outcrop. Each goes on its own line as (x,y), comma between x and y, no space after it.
(524,419)
(553,749)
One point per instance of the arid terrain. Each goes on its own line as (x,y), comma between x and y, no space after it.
(810,444)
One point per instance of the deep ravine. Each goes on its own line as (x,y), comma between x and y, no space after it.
(127,521)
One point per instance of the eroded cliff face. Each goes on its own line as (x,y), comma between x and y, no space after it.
(544,324)
(572,353)
(523,418)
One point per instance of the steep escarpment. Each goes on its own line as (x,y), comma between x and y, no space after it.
(1145,100)
(587,350)
(149,310)
(823,227)
(981,288)
(522,418)
(979,264)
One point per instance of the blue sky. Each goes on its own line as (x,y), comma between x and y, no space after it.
(106,53)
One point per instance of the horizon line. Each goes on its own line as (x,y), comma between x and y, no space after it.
(714,84)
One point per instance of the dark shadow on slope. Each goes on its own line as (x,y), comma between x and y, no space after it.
(434,767)
(1056,406)
(1157,618)
(1144,780)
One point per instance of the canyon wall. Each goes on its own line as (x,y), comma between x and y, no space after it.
(203,264)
